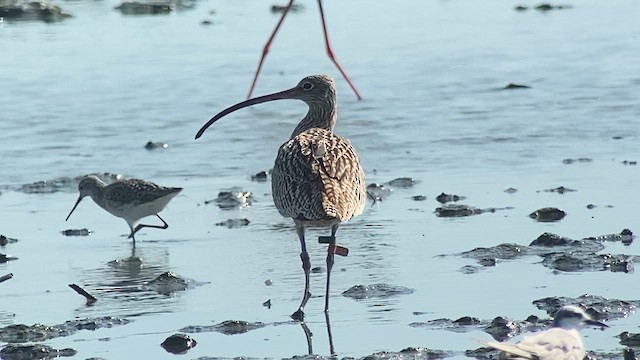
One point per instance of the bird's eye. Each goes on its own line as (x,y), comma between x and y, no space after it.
(307,86)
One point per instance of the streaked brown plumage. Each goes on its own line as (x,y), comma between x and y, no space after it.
(317,179)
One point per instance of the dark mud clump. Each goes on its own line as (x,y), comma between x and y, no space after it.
(4,240)
(548,214)
(589,262)
(232,199)
(379,291)
(281,8)
(378,192)
(629,339)
(167,283)
(154,145)
(260,176)
(35,351)
(625,236)
(512,86)
(558,253)
(403,182)
(234,223)
(76,232)
(178,343)
(445,198)
(142,8)
(228,327)
(600,308)
(5,257)
(578,160)
(460,210)
(31,11)
(500,328)
(20,333)
(559,190)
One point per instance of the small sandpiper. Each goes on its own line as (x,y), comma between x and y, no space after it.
(130,199)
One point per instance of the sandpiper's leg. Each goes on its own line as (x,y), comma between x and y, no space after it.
(330,252)
(267,45)
(140,226)
(330,52)
(306,266)
(131,235)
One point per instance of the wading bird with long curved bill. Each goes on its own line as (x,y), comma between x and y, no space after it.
(317,179)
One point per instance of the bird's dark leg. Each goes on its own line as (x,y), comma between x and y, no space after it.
(267,45)
(308,335)
(330,252)
(140,226)
(330,52)
(306,266)
(331,348)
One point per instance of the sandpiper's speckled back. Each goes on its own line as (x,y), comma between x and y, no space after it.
(135,192)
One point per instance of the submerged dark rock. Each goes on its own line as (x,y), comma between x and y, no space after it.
(232,199)
(547,7)
(76,232)
(167,283)
(626,236)
(403,182)
(578,261)
(579,160)
(512,86)
(629,339)
(234,223)
(280,8)
(145,8)
(550,240)
(548,214)
(457,210)
(153,145)
(4,240)
(260,176)
(501,251)
(378,192)
(600,308)
(178,343)
(380,291)
(227,327)
(445,198)
(35,351)
(20,333)
(31,11)
(5,257)
(560,190)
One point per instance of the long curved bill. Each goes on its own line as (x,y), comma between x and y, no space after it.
(74,207)
(287,94)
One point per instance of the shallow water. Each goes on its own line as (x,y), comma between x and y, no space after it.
(86,94)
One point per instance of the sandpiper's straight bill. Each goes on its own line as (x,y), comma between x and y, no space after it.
(130,199)
(560,342)
(317,179)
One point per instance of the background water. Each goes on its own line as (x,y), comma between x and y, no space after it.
(86,94)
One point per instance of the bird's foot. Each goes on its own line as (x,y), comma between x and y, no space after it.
(298,315)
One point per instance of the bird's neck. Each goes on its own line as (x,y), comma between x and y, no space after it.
(321,116)
(98,195)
